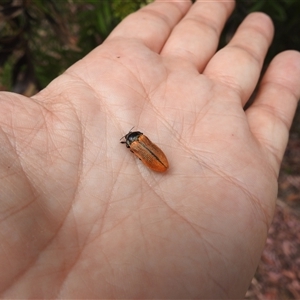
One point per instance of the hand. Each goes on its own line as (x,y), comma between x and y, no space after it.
(82,217)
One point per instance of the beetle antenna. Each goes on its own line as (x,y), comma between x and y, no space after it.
(126,133)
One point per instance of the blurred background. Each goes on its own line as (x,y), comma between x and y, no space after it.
(39,39)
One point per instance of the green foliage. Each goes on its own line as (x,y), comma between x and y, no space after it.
(123,8)
(284,14)
(39,39)
(6,74)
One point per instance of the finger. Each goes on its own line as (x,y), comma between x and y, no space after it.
(271,114)
(153,23)
(196,37)
(238,65)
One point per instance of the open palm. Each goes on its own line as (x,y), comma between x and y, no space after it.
(82,217)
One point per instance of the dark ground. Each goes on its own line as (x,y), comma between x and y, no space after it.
(278,274)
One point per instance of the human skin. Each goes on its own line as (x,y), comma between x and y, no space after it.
(82,217)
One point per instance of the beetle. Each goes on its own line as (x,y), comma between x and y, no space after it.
(151,155)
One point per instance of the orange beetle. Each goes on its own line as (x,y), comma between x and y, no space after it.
(146,151)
